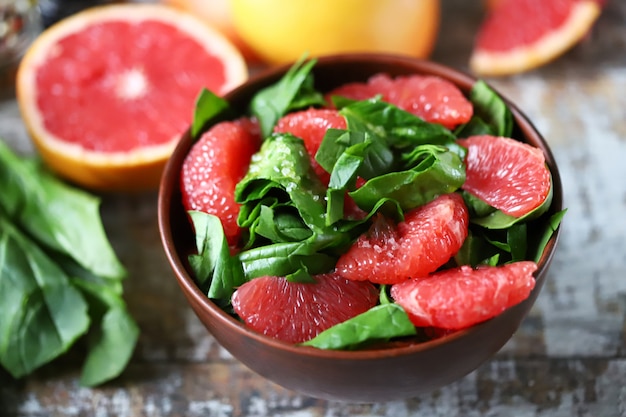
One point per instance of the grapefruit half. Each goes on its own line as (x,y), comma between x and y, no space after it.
(106,93)
(519,35)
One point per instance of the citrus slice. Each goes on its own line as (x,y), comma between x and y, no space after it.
(214,166)
(490,176)
(311,126)
(520,35)
(423,242)
(295,312)
(432,98)
(105,94)
(462,297)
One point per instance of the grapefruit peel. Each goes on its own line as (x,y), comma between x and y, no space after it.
(526,57)
(133,170)
(316,243)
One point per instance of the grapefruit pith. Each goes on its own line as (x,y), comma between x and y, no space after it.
(519,35)
(296,312)
(509,175)
(106,93)
(462,297)
(423,242)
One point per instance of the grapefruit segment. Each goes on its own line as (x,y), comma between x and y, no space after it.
(311,126)
(423,242)
(520,35)
(432,98)
(296,312)
(214,166)
(462,297)
(105,113)
(505,173)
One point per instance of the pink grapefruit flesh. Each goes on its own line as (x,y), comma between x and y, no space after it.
(423,242)
(462,297)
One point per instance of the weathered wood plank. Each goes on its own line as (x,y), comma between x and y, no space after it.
(542,388)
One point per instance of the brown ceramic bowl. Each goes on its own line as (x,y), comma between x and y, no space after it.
(376,374)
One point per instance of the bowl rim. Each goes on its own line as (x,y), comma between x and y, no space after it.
(222,318)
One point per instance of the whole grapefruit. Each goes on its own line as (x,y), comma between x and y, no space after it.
(281,31)
(218,14)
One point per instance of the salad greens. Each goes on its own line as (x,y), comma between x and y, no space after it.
(295,90)
(295,227)
(60,279)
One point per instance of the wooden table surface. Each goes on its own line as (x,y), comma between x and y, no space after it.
(567,359)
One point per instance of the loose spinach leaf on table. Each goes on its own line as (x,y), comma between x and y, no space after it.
(63,218)
(113,334)
(52,248)
(41,313)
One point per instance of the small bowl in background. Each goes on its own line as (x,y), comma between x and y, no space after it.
(387,372)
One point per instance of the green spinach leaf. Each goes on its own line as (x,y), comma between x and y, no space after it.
(293,90)
(42,313)
(553,224)
(436,171)
(496,219)
(209,109)
(217,272)
(281,259)
(282,169)
(63,218)
(382,322)
(491,116)
(112,337)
